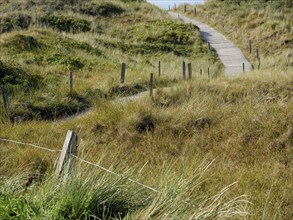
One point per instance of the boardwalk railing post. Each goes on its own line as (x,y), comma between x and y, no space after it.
(151,85)
(5,99)
(123,68)
(71,82)
(159,68)
(184,70)
(189,71)
(69,150)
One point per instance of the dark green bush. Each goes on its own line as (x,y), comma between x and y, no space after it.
(105,9)
(10,74)
(71,62)
(68,24)
(17,21)
(126,90)
(21,42)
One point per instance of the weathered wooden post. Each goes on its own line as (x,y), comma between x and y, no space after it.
(69,150)
(208,72)
(243,67)
(184,8)
(184,70)
(250,46)
(151,85)
(194,11)
(71,82)
(16,119)
(258,58)
(257,53)
(5,99)
(189,71)
(209,46)
(123,68)
(159,68)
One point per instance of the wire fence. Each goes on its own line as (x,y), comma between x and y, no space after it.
(81,160)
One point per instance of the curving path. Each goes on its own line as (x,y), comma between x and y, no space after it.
(230,55)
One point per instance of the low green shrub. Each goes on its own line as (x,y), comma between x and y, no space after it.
(20,42)
(16,21)
(104,9)
(64,23)
(11,74)
(71,62)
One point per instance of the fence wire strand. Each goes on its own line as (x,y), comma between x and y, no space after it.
(29,144)
(82,160)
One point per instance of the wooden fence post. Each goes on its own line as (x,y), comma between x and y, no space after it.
(209,46)
(250,46)
(159,68)
(189,71)
(194,11)
(208,72)
(243,67)
(71,82)
(66,158)
(151,85)
(184,70)
(257,53)
(5,99)
(16,119)
(123,68)
(184,8)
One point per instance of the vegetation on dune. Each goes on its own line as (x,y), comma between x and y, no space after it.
(243,124)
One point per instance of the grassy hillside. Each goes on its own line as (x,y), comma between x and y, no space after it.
(43,41)
(218,148)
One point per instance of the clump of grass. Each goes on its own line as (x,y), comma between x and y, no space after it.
(14,22)
(104,9)
(95,194)
(14,75)
(68,24)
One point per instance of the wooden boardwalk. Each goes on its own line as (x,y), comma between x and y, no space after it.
(230,55)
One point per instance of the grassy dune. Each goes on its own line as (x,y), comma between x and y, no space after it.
(217,148)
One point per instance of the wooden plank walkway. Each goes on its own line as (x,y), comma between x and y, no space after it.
(230,55)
